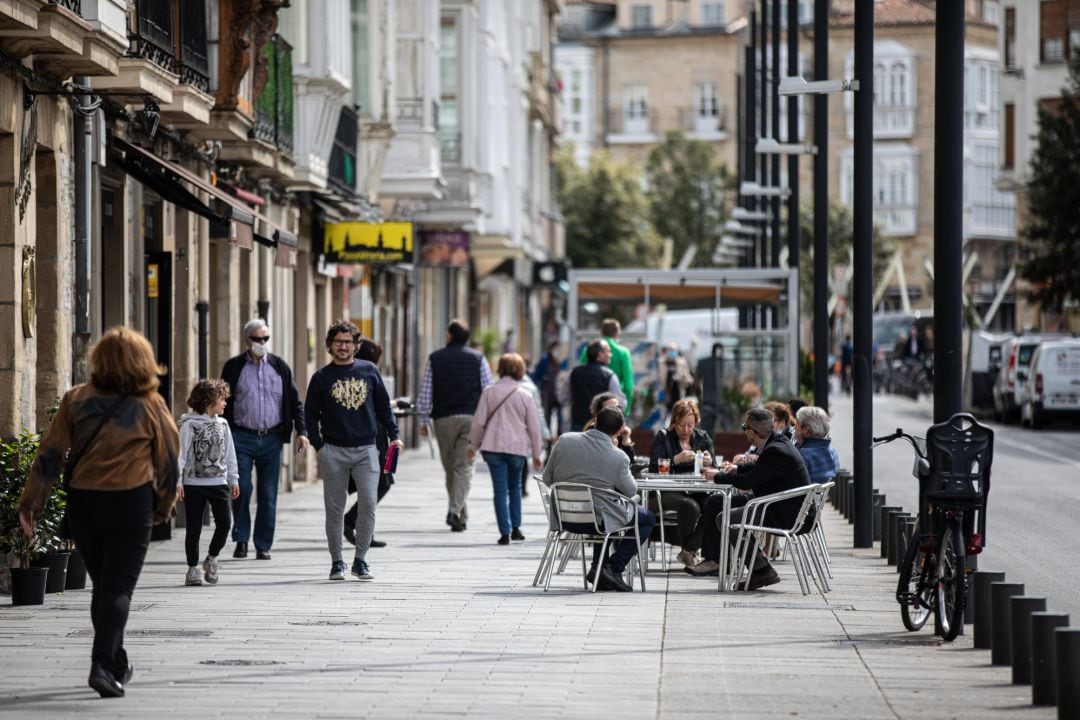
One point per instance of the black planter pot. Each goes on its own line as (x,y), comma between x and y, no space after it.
(76,572)
(57,563)
(28,586)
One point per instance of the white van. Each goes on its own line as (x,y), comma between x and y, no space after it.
(1053,387)
(1016,355)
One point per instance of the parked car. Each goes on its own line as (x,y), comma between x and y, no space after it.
(1016,356)
(1053,388)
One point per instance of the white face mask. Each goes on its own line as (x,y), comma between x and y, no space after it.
(260,350)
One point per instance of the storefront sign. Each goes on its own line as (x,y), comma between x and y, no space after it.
(444,247)
(368,243)
(152,280)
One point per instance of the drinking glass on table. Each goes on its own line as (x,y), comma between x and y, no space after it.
(662,465)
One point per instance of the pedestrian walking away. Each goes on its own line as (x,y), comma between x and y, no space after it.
(263,410)
(587,381)
(207,475)
(346,402)
(506,430)
(121,475)
(449,393)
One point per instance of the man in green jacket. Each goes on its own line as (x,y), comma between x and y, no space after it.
(620,363)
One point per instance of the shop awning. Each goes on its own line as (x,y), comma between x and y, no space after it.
(674,292)
(233,219)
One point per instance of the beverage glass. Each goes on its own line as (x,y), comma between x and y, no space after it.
(662,465)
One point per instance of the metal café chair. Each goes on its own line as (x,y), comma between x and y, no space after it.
(576,503)
(752,532)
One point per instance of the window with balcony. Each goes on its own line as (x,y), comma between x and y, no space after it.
(1059,29)
(981,88)
(991,210)
(408,71)
(575,106)
(450,83)
(636,110)
(192,50)
(152,37)
(706,109)
(360,63)
(894,92)
(895,189)
(274,105)
(641,17)
(712,13)
(1010,38)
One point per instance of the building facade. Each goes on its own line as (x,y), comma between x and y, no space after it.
(1036,41)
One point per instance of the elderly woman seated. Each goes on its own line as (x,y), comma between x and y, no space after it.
(678,444)
(812,440)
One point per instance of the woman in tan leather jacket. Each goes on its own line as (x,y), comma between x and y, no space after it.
(124,479)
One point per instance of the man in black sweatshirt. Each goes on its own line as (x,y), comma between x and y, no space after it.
(345,401)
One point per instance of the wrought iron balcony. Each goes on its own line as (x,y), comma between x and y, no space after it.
(274,106)
(74,6)
(152,34)
(194,65)
(342,169)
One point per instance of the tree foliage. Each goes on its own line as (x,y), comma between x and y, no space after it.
(1052,232)
(604,212)
(841,246)
(686,192)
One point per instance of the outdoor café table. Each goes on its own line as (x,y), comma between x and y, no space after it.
(659,484)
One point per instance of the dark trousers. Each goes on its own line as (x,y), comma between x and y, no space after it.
(710,538)
(263,454)
(112,532)
(624,549)
(196,497)
(687,511)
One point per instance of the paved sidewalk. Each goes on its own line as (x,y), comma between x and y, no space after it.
(451,627)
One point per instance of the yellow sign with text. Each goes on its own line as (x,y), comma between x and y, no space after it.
(368,243)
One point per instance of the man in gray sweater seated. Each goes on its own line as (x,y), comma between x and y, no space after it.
(592,458)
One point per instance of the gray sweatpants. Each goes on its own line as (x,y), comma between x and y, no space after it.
(335,465)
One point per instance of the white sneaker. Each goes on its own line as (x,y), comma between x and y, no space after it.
(210,568)
(194,576)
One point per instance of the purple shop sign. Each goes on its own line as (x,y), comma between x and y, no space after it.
(444,247)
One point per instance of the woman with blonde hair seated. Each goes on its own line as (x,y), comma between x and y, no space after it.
(679,443)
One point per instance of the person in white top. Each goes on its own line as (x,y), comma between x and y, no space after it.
(506,430)
(208,474)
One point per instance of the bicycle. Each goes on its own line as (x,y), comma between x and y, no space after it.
(952,465)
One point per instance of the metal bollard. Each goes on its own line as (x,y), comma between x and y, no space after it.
(907,534)
(984,629)
(843,480)
(1067,650)
(896,538)
(883,521)
(1044,656)
(1001,621)
(849,501)
(1020,608)
(877,501)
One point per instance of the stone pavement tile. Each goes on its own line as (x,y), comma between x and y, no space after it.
(453,628)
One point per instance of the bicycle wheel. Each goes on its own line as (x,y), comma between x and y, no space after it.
(915,591)
(951,582)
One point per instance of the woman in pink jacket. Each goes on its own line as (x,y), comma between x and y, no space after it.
(506,430)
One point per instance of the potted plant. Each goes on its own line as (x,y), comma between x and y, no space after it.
(27,583)
(57,552)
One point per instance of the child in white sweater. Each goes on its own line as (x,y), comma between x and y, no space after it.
(208,474)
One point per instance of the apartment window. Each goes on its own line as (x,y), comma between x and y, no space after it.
(895,197)
(1052,31)
(990,11)
(712,13)
(1010,38)
(360,68)
(641,17)
(990,208)
(982,86)
(449,74)
(576,97)
(409,50)
(1009,156)
(636,112)
(705,100)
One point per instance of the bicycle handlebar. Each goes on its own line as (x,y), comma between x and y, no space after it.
(896,436)
(889,438)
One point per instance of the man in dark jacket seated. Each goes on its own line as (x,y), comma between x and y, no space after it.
(779,467)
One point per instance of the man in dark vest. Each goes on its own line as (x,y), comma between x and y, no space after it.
(449,394)
(587,381)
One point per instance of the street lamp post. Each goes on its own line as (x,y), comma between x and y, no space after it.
(821,208)
(793,160)
(863,410)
